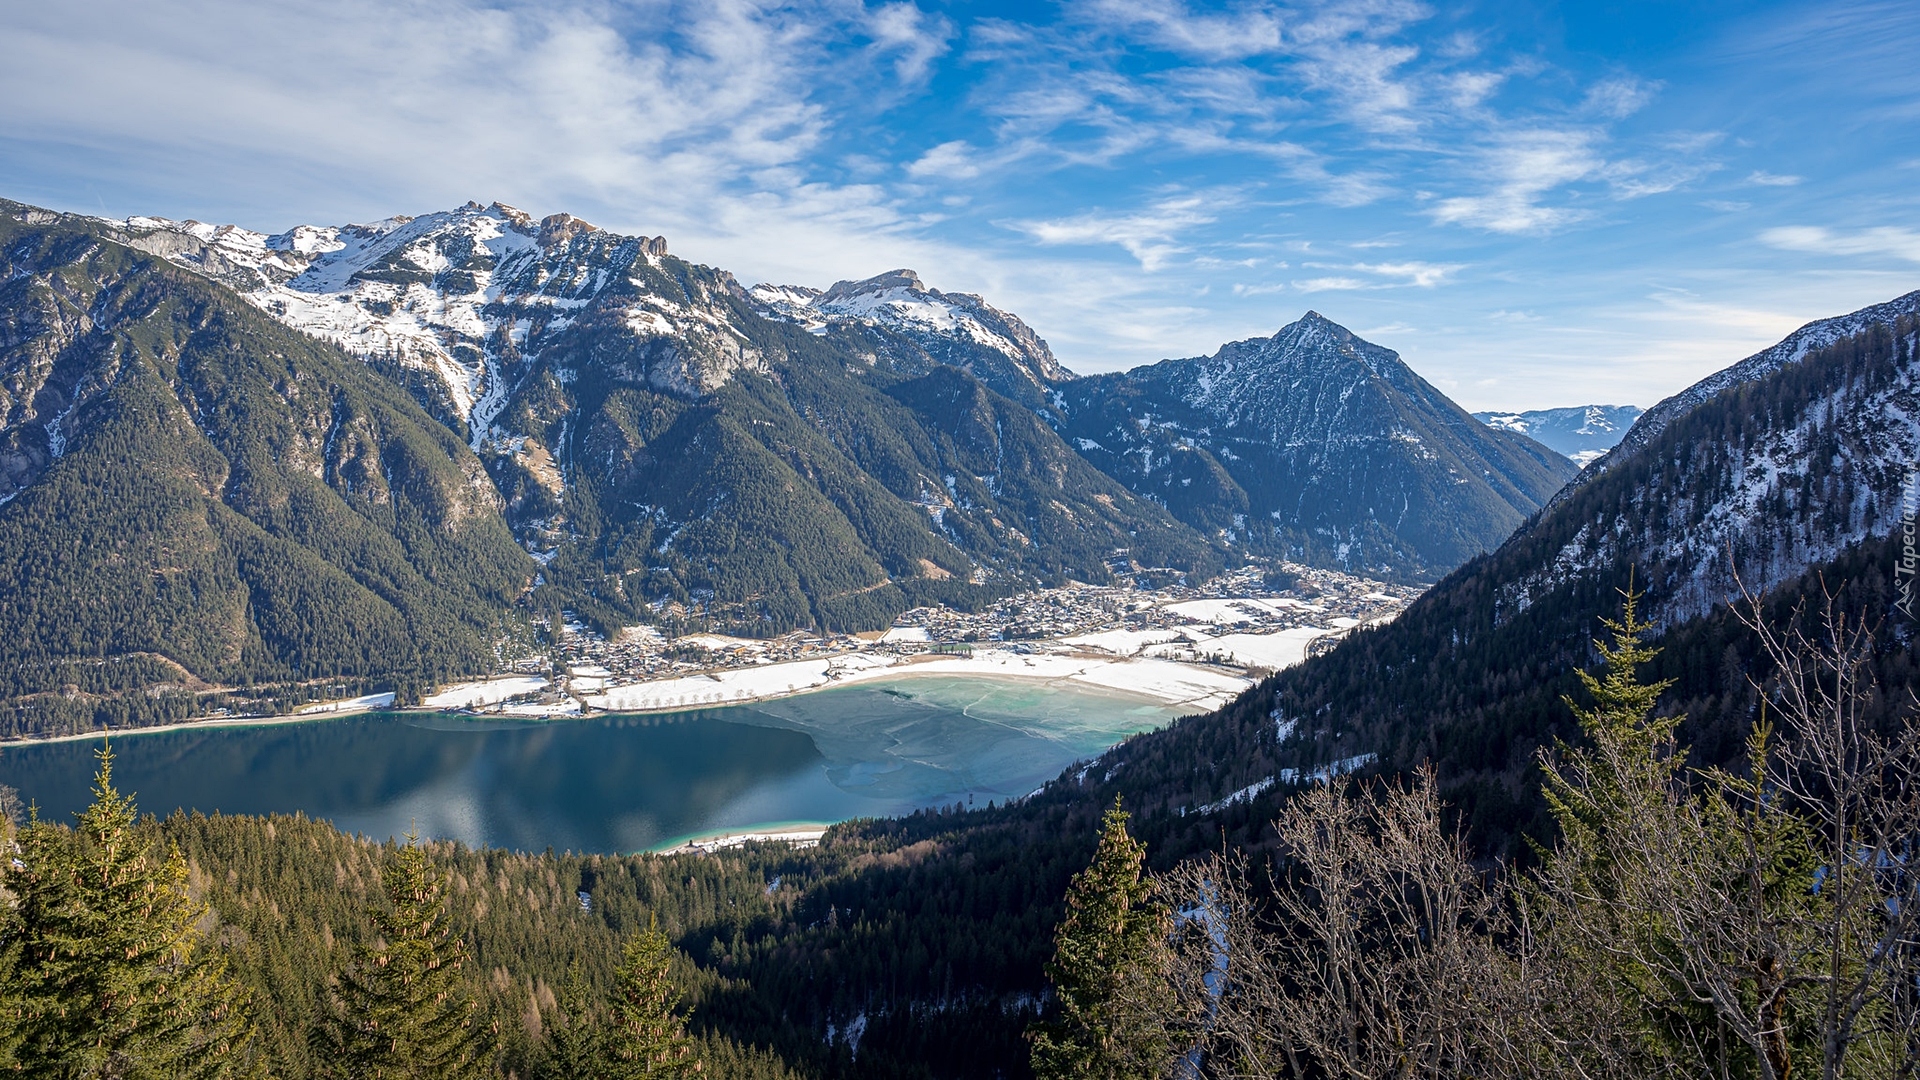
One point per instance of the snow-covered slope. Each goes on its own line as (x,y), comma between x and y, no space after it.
(1794,346)
(1776,464)
(463,294)
(1582,433)
(960,329)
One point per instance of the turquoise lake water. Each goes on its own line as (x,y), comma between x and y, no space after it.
(615,783)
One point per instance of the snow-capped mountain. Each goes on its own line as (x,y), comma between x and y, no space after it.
(570,358)
(660,437)
(464,295)
(1581,433)
(960,329)
(1316,444)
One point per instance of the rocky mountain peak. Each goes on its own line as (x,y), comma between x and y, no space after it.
(958,329)
(879,283)
(1311,347)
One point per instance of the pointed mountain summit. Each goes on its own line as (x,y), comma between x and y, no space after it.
(1316,445)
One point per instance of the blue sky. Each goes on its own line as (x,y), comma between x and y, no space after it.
(1537,204)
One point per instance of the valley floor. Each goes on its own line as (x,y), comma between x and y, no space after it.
(1194,647)
(1191,647)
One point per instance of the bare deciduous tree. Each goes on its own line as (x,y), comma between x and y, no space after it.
(1849,766)
(1373,954)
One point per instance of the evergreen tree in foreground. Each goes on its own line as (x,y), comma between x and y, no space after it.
(105,974)
(1107,970)
(645,1037)
(402,1008)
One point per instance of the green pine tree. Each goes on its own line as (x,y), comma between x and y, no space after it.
(645,1037)
(1108,970)
(110,976)
(403,1007)
(12,1000)
(1659,870)
(1633,757)
(576,1036)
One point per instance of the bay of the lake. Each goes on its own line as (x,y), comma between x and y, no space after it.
(614,783)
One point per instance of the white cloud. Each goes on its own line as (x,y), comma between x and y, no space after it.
(1330,284)
(1149,235)
(1171,25)
(1620,96)
(695,119)
(1766,179)
(913,37)
(1423,275)
(1525,166)
(953,160)
(1882,240)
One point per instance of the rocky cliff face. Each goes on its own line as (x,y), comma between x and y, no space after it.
(464,298)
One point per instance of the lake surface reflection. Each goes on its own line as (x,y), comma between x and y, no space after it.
(618,783)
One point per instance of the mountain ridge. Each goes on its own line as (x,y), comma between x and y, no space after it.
(1795,471)
(469,308)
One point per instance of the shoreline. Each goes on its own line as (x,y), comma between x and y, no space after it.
(1198,687)
(801,834)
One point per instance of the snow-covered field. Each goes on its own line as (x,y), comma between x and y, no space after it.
(734,685)
(1279,650)
(1161,680)
(351,705)
(489,692)
(800,836)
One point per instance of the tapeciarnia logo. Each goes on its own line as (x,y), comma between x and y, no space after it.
(1905,567)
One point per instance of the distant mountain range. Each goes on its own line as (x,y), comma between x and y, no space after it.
(1581,433)
(517,411)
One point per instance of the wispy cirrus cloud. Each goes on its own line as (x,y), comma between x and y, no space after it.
(1150,235)
(1525,167)
(1892,240)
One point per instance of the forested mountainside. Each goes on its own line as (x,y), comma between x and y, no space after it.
(518,333)
(192,495)
(1316,445)
(1581,433)
(664,440)
(1794,476)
